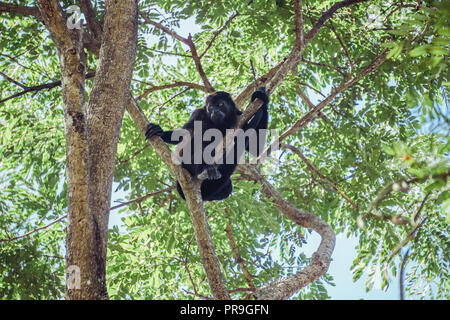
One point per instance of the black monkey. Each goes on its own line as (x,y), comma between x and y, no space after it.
(220,113)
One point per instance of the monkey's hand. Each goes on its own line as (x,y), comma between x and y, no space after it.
(153,130)
(260,94)
(210,173)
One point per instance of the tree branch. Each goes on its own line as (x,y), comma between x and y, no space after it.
(403,243)
(172,85)
(343,47)
(188,41)
(191,190)
(311,115)
(237,256)
(20,10)
(40,87)
(338,69)
(140,199)
(12,80)
(298,21)
(89,13)
(33,231)
(295,56)
(191,187)
(198,65)
(163,28)
(284,288)
(216,34)
(56,24)
(316,171)
(309,103)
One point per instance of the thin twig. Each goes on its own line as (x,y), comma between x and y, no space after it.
(403,243)
(33,231)
(312,114)
(140,199)
(198,65)
(402,275)
(172,85)
(343,47)
(48,86)
(309,103)
(13,81)
(216,34)
(163,28)
(321,176)
(338,69)
(253,70)
(236,255)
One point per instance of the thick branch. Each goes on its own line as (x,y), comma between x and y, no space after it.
(56,23)
(81,241)
(286,287)
(298,20)
(20,10)
(191,190)
(110,93)
(198,65)
(89,13)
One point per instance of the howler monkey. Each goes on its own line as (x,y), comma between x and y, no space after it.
(219,113)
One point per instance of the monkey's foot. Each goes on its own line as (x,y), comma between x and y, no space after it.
(210,173)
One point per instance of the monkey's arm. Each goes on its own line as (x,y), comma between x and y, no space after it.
(155,130)
(261,117)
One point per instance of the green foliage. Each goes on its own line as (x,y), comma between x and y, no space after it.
(376,133)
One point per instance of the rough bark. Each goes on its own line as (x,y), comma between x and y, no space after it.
(105,112)
(92,136)
(80,239)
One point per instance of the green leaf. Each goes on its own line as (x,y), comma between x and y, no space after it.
(419,51)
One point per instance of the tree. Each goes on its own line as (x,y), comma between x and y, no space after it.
(345,80)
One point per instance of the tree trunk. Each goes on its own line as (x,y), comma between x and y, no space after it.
(92,135)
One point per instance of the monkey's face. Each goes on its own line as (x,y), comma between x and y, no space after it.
(219,107)
(217,111)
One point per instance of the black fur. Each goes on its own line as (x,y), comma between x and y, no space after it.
(220,113)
